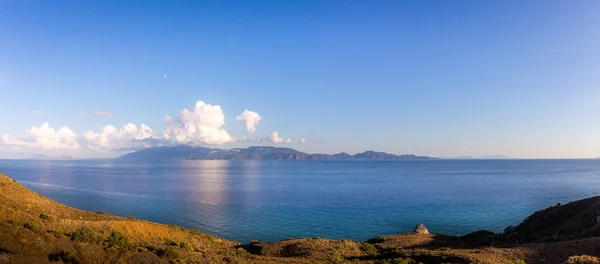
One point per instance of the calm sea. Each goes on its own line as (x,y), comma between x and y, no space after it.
(273,200)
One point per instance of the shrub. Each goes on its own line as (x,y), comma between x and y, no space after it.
(117,238)
(131,218)
(254,241)
(169,252)
(170,242)
(403,261)
(84,234)
(583,259)
(45,217)
(519,261)
(20,223)
(370,249)
(64,256)
(178,227)
(186,246)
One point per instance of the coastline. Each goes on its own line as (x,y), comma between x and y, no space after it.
(36,228)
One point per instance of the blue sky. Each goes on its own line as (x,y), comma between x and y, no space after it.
(439,78)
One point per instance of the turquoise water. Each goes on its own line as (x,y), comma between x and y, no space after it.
(273,200)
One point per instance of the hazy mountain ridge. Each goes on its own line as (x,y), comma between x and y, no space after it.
(46,157)
(255,153)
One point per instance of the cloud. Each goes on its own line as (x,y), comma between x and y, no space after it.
(98,113)
(44,137)
(37,112)
(165,76)
(201,125)
(251,119)
(302,141)
(110,138)
(275,139)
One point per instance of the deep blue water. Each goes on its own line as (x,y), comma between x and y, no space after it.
(273,200)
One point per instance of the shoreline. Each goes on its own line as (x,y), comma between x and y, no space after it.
(70,234)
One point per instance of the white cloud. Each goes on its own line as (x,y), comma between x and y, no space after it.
(275,139)
(37,112)
(165,76)
(110,138)
(202,124)
(44,137)
(249,118)
(98,113)
(302,141)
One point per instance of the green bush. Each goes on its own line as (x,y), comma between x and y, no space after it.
(170,242)
(370,249)
(117,238)
(169,252)
(520,261)
(178,227)
(20,223)
(45,217)
(186,246)
(403,261)
(84,234)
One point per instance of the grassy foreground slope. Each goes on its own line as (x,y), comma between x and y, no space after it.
(35,229)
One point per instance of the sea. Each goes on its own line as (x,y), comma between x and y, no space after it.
(274,200)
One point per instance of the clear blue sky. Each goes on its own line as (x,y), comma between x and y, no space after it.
(440,78)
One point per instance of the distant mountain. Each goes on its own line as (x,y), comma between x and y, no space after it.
(46,157)
(483,157)
(64,157)
(183,152)
(495,157)
(40,157)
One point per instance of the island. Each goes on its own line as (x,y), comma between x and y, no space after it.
(184,152)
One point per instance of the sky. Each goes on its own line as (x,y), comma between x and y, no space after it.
(437,78)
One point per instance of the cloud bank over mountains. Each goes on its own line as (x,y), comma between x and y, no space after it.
(200,125)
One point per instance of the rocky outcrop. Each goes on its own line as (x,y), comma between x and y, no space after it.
(420,229)
(575,220)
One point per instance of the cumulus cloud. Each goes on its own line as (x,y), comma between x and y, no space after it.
(44,137)
(249,118)
(111,138)
(275,139)
(202,124)
(98,113)
(302,141)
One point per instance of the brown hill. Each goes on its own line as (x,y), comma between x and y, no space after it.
(575,220)
(35,229)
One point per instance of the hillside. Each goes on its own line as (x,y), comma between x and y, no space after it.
(253,153)
(35,229)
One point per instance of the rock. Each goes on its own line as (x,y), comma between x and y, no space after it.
(420,229)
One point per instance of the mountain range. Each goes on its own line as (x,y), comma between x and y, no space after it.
(46,157)
(184,152)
